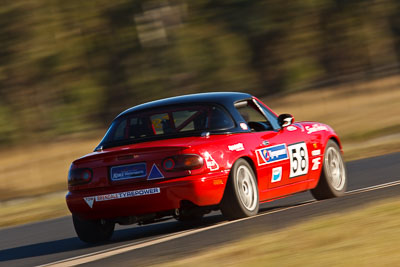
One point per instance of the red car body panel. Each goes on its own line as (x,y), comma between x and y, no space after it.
(272,154)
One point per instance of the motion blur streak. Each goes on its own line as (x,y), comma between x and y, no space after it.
(62,60)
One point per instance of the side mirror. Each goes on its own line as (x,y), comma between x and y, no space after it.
(285,120)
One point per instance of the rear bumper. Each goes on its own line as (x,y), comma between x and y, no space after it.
(157,196)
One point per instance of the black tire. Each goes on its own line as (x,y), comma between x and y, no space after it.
(93,231)
(333,180)
(241,193)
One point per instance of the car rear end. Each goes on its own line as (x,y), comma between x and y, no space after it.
(146,166)
(138,181)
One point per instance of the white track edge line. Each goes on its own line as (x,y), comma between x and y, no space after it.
(133,246)
(373,187)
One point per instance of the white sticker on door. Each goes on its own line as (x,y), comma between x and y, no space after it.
(298,159)
(276,174)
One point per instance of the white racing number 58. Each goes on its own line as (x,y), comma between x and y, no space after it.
(298,159)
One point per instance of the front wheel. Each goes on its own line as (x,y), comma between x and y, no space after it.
(93,231)
(333,180)
(241,193)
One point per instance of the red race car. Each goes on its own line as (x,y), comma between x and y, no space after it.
(186,156)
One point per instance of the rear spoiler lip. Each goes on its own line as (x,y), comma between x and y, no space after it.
(126,151)
(105,145)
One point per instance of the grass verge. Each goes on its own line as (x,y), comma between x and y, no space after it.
(371,148)
(27,210)
(366,237)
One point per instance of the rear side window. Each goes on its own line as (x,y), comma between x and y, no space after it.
(250,113)
(168,121)
(120,131)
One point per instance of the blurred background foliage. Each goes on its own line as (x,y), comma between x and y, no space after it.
(71,66)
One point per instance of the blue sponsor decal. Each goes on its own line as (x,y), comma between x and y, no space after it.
(272,154)
(155,173)
(131,171)
(276,174)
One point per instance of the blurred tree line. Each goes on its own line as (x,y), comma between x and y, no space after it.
(71,66)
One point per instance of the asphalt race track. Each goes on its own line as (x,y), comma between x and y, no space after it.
(55,242)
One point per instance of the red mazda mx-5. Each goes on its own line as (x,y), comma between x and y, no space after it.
(185,156)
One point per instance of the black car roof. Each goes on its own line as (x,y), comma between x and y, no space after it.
(223,98)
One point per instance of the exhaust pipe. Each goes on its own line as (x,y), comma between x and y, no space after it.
(177,212)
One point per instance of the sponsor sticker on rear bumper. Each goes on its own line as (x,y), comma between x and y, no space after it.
(141,192)
(137,170)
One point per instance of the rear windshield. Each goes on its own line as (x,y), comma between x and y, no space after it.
(167,122)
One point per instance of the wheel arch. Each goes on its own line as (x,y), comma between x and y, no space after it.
(232,205)
(251,163)
(323,189)
(336,140)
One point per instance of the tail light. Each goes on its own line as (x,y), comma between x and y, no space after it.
(79,176)
(183,162)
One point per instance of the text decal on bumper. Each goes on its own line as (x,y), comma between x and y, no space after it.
(134,193)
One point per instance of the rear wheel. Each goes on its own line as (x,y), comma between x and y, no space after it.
(93,231)
(333,180)
(241,193)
